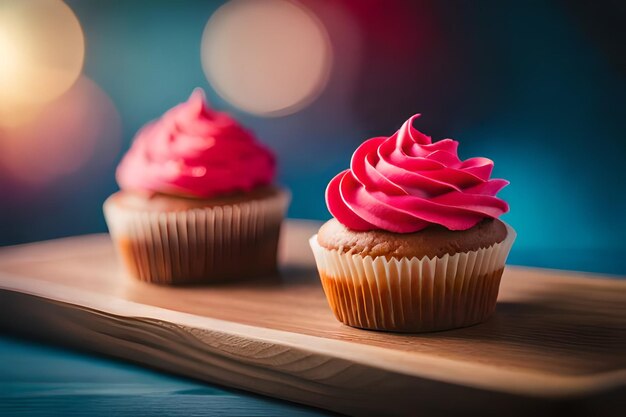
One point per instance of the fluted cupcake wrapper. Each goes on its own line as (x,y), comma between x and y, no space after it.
(412,295)
(199,245)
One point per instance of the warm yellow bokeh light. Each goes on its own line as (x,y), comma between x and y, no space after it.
(42,49)
(269,57)
(9,53)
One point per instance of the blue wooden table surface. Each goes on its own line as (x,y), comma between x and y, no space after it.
(40,380)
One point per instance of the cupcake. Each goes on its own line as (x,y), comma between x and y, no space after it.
(197,204)
(415,244)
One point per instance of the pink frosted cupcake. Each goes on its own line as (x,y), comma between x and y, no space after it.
(197,203)
(415,244)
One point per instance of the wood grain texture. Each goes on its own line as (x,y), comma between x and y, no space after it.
(556,343)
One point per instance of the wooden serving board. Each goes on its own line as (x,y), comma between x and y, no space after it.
(557,342)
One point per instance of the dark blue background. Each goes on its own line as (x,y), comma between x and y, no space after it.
(538,87)
(46,381)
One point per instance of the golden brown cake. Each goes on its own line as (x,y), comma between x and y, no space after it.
(430,242)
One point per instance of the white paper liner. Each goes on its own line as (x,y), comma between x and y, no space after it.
(413,295)
(199,245)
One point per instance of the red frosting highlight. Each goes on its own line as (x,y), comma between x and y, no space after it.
(195,151)
(406,182)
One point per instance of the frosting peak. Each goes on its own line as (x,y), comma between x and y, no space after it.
(193,150)
(406,182)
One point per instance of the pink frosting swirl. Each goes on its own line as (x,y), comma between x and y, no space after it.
(406,182)
(195,151)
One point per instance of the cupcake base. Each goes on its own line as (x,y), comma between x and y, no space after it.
(408,312)
(198,245)
(199,262)
(412,295)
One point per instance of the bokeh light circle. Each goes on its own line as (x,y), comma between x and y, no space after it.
(42,50)
(268,58)
(79,131)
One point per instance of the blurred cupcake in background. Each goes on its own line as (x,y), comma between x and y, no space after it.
(197,201)
(415,244)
